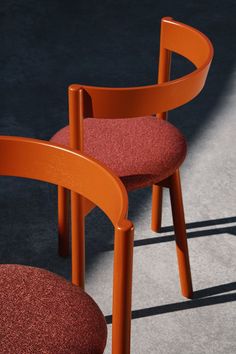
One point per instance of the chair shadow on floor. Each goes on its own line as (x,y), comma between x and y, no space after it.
(192,234)
(204,297)
(202,301)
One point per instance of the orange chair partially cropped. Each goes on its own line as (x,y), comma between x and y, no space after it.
(40,311)
(144,150)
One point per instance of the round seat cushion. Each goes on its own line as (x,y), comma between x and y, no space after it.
(143,150)
(43,313)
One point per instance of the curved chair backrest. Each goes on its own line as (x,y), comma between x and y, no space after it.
(44,161)
(105,102)
(41,160)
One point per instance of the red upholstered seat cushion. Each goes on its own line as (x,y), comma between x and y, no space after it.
(146,148)
(43,313)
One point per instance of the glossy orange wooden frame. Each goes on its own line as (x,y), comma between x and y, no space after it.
(40,160)
(105,102)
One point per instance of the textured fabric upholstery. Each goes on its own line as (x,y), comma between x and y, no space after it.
(146,148)
(43,313)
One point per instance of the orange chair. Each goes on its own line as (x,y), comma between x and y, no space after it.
(146,150)
(40,311)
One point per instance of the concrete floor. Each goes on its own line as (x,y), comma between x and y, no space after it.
(115,43)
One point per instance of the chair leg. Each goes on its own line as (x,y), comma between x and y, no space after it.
(156,207)
(63,221)
(180,234)
(77,240)
(122,291)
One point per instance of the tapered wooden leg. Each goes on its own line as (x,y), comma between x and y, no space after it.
(77,240)
(122,289)
(63,221)
(180,234)
(156,207)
